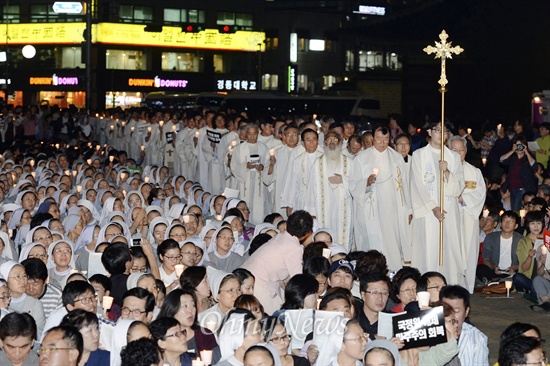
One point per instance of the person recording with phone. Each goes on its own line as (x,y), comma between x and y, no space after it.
(521,174)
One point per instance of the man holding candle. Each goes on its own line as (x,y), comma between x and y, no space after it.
(378,181)
(328,197)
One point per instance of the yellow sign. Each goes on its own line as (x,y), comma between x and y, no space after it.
(130,34)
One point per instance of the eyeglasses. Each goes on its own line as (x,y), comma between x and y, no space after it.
(541,362)
(362,337)
(284,338)
(20,277)
(437,129)
(437,288)
(49,237)
(377,293)
(139,269)
(62,251)
(175,258)
(233,291)
(332,139)
(179,334)
(43,351)
(409,291)
(87,300)
(135,312)
(6,296)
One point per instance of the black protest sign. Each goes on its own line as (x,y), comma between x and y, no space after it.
(423,328)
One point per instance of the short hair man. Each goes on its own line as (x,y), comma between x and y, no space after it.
(61,345)
(138,304)
(521,350)
(375,291)
(472,343)
(499,250)
(341,274)
(48,294)
(17,336)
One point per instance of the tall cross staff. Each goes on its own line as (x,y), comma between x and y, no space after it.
(442,50)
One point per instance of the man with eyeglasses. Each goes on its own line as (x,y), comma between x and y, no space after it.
(375,291)
(328,197)
(138,304)
(379,184)
(62,345)
(426,171)
(48,294)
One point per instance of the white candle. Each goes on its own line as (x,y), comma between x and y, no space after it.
(319,303)
(375,171)
(123,123)
(147,179)
(271,152)
(89,161)
(112,127)
(74,173)
(501,212)
(230,150)
(219,217)
(197,134)
(326,253)
(107,302)
(469,131)
(522,213)
(484,161)
(149,129)
(132,128)
(179,269)
(233,143)
(67,172)
(79,188)
(33,174)
(31,162)
(499,127)
(57,146)
(206,357)
(485,213)
(142,148)
(111,158)
(174,128)
(161,123)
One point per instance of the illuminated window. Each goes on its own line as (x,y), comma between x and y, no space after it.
(184,16)
(272,44)
(10,14)
(70,57)
(43,14)
(126,60)
(135,14)
(244,21)
(221,65)
(189,62)
(270,81)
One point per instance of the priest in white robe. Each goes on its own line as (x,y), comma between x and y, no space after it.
(328,195)
(425,178)
(378,183)
(274,177)
(293,196)
(216,169)
(471,203)
(247,163)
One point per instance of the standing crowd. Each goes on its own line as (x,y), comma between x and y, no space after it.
(147,238)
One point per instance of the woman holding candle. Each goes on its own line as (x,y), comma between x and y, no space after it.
(169,255)
(180,304)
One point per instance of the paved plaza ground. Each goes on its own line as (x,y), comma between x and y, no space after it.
(493,313)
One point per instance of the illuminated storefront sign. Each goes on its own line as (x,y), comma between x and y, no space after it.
(54,80)
(371,10)
(158,82)
(292,81)
(130,34)
(226,85)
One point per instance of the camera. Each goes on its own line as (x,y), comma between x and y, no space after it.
(521,147)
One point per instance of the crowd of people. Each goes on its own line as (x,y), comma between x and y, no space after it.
(142,237)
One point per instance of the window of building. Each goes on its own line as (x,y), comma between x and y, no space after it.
(126,60)
(302,44)
(135,14)
(244,21)
(372,60)
(302,82)
(189,62)
(115,99)
(272,44)
(184,16)
(392,61)
(43,14)
(328,81)
(10,14)
(70,57)
(270,81)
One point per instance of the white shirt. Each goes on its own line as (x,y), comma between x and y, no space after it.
(505,260)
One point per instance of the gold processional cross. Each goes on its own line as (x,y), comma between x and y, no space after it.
(442,50)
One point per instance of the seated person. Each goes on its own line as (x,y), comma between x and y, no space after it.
(499,250)
(17,336)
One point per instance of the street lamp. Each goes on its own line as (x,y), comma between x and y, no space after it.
(28,51)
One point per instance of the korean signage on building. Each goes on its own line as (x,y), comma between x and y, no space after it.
(227,85)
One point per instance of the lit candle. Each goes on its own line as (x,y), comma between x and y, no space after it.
(499,127)
(197,134)
(97,115)
(31,162)
(271,152)
(174,128)
(508,285)
(469,131)
(98,147)
(149,129)
(484,161)
(326,253)
(89,161)
(318,303)
(206,356)
(122,175)
(147,179)
(10,232)
(1,156)
(79,188)
(107,302)
(123,123)
(67,172)
(33,174)
(233,143)
(74,173)
(501,212)
(543,250)
(111,158)
(142,148)
(522,213)
(230,150)
(179,269)
(375,171)
(112,127)
(219,217)
(161,123)
(132,128)
(57,146)
(485,213)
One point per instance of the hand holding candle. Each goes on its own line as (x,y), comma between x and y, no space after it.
(469,131)
(179,269)
(375,171)
(107,302)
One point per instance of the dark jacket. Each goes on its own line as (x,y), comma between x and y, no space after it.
(526,173)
